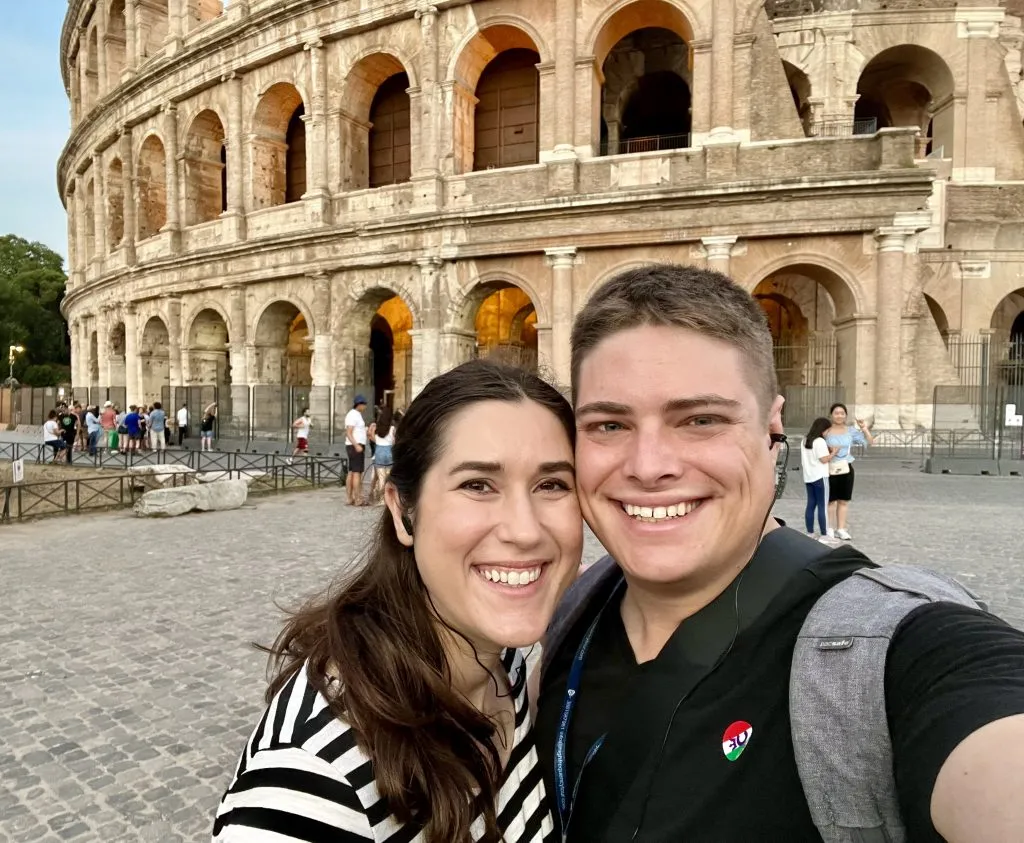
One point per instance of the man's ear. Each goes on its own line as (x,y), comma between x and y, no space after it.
(398,514)
(775,415)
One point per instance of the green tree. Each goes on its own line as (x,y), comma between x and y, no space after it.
(32,283)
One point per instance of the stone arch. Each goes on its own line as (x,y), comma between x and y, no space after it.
(115,204)
(938,316)
(502,316)
(1006,316)
(461,311)
(152,22)
(208,337)
(116,43)
(205,168)
(490,38)
(155,358)
(909,85)
(375,94)
(91,94)
(800,89)
(283,344)
(622,18)
(646,101)
(375,343)
(279,146)
(803,301)
(151,176)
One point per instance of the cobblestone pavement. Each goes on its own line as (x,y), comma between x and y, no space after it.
(128,687)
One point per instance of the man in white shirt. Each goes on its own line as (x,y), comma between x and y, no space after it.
(302,426)
(182,425)
(355,447)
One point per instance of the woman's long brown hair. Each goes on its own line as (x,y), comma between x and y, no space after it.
(433,753)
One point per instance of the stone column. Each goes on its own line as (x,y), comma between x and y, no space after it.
(76,91)
(132,360)
(972,145)
(426,344)
(174,344)
(235,141)
(703,91)
(565,79)
(719,252)
(128,191)
(323,367)
(431,112)
(889,305)
(101,49)
(722,63)
(87,101)
(176,12)
(317,198)
(81,225)
(238,334)
(74,334)
(131,25)
(561,260)
(100,209)
(173,224)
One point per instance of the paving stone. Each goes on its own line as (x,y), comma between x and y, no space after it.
(129,685)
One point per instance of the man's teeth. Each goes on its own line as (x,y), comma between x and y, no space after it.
(660,513)
(519,578)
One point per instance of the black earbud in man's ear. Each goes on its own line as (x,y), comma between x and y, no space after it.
(775,439)
(407,524)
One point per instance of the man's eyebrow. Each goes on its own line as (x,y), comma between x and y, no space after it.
(697,401)
(477,465)
(607,408)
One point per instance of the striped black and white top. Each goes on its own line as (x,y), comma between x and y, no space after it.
(303,777)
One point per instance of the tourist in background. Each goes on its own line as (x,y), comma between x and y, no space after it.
(52,436)
(108,422)
(814,458)
(841,437)
(302,426)
(206,427)
(133,428)
(182,425)
(82,441)
(384,440)
(157,427)
(399,707)
(93,429)
(355,449)
(68,422)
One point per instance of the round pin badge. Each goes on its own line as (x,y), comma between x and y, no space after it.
(736,738)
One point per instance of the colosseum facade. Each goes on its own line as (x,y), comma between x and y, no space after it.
(279,201)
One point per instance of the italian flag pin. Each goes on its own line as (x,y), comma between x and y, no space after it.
(736,738)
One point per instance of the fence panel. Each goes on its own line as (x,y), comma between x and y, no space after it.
(271,411)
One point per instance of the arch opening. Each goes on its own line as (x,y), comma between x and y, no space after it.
(908,85)
(1008,340)
(115,43)
(505,324)
(209,363)
(938,316)
(284,352)
(91,93)
(152,187)
(390,158)
(115,204)
(155,356)
(813,361)
(505,121)
(391,350)
(279,147)
(205,163)
(646,103)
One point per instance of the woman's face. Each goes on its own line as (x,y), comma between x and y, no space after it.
(498,534)
(839,417)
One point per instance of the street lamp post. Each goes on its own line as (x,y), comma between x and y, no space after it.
(13,352)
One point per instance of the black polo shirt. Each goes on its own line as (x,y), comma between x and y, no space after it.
(660,777)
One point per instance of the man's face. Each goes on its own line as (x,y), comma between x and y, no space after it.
(673,460)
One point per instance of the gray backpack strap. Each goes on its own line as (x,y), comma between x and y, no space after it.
(574,603)
(837,699)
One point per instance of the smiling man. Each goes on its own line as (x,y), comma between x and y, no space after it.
(665,703)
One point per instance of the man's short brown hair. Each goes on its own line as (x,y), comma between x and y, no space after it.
(700,300)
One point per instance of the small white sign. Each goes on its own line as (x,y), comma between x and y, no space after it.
(18,469)
(1013,418)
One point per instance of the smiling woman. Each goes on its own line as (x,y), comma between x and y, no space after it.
(399,706)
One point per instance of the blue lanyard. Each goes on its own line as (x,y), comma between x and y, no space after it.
(561,739)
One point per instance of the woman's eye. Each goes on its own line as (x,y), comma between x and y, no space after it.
(476,486)
(553,485)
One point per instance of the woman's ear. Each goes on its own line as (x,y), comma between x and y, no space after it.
(398,515)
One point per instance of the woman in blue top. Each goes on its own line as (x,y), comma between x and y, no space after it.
(840,437)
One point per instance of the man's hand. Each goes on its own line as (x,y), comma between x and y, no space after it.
(359,449)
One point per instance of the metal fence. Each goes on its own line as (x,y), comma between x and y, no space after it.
(654,143)
(808,380)
(72,495)
(843,128)
(978,422)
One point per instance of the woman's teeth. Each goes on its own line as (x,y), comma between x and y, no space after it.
(517,578)
(660,513)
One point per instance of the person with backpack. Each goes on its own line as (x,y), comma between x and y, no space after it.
(814,458)
(719,676)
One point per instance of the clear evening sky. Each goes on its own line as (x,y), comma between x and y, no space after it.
(34,124)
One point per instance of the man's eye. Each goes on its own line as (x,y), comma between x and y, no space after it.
(606,427)
(703,421)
